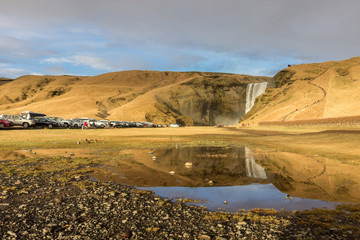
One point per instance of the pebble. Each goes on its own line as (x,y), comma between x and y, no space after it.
(11,233)
(99,210)
(204,237)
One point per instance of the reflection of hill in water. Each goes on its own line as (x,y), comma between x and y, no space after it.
(217,165)
(313,177)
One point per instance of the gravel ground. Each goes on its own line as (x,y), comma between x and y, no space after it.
(41,207)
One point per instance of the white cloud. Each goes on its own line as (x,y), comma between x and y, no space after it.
(53,60)
(15,72)
(96,63)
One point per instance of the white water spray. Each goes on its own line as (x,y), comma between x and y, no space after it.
(253,90)
(252,168)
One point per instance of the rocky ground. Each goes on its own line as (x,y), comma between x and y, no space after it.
(44,207)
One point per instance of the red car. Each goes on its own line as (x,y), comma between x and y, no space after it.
(5,123)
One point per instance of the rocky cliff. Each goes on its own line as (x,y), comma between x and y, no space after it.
(207,100)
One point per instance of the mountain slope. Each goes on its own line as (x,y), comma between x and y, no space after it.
(4,80)
(311,91)
(132,96)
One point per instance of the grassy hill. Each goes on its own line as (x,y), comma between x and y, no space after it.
(311,91)
(162,97)
(4,80)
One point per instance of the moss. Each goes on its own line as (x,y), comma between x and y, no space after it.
(284,77)
(344,217)
(342,71)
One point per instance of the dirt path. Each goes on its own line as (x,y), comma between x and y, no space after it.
(316,102)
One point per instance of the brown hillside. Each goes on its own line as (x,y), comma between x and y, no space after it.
(4,80)
(129,96)
(311,91)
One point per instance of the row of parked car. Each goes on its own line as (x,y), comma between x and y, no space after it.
(39,120)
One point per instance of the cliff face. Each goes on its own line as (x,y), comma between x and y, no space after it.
(186,98)
(209,100)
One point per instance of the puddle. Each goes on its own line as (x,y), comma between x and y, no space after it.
(211,175)
(241,197)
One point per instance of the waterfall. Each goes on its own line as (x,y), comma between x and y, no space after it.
(253,90)
(252,168)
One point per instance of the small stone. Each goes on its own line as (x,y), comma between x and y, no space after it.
(46,230)
(188,164)
(126,234)
(204,237)
(186,235)
(11,233)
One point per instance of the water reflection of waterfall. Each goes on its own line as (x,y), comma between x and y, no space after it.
(253,90)
(252,168)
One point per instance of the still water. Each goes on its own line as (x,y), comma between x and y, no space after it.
(217,177)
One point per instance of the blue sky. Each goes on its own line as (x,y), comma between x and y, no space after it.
(256,37)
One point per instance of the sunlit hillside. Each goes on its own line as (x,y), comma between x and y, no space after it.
(311,91)
(131,96)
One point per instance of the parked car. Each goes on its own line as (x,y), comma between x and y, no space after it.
(117,124)
(174,125)
(5,123)
(96,123)
(18,120)
(44,122)
(149,124)
(31,115)
(76,123)
(105,122)
(139,125)
(63,122)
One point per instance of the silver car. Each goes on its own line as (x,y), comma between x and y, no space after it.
(63,122)
(18,120)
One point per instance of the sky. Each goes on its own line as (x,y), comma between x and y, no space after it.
(255,37)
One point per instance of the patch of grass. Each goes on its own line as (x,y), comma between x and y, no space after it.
(345,217)
(139,191)
(342,71)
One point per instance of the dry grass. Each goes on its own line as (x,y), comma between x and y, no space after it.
(301,85)
(127,95)
(351,121)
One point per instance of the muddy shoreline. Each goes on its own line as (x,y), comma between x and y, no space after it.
(44,207)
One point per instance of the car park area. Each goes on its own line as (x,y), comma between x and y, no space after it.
(30,119)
